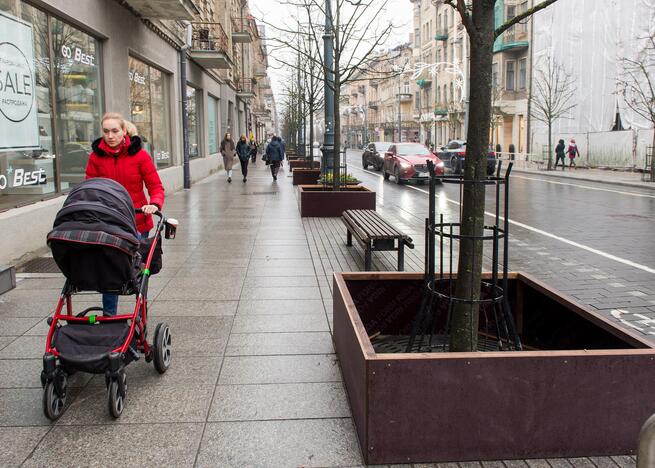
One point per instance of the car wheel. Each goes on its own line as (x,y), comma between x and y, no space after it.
(364,163)
(386,175)
(396,174)
(379,167)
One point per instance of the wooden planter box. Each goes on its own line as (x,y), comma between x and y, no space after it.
(306,176)
(586,391)
(315,201)
(302,163)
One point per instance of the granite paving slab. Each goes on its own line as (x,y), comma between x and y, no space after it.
(170,444)
(293,443)
(279,369)
(279,401)
(260,344)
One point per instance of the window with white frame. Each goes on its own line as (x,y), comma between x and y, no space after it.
(510,75)
(523,73)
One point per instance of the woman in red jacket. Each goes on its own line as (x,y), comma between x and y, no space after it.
(119,157)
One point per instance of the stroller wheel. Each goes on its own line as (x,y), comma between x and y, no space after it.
(116,395)
(162,347)
(54,402)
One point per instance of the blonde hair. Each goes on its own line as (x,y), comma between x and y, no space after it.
(114,116)
(130,128)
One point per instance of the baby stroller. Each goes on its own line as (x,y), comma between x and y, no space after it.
(95,243)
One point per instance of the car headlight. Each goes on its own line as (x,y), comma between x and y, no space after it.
(440,164)
(405,165)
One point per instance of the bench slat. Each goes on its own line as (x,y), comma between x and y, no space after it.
(375,225)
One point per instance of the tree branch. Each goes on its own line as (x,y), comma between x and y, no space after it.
(529,12)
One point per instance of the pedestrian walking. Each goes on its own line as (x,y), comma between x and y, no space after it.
(120,157)
(274,155)
(559,154)
(253,151)
(243,152)
(228,151)
(573,152)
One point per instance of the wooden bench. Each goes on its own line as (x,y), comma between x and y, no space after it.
(374,233)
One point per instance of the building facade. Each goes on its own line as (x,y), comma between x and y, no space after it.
(70,62)
(375,107)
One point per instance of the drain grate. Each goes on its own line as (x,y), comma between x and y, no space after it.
(39,265)
(398,344)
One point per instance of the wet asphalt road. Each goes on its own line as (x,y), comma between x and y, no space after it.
(594,241)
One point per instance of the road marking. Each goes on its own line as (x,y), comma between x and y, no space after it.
(588,187)
(543,233)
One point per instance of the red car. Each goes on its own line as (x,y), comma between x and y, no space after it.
(408,161)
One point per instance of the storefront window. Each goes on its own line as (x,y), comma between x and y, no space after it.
(78,98)
(27,171)
(194,134)
(149,110)
(212,124)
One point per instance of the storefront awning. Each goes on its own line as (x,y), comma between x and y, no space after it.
(166,9)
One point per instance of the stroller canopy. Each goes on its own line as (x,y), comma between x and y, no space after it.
(99,205)
(94,238)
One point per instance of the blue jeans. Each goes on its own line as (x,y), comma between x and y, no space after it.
(110,301)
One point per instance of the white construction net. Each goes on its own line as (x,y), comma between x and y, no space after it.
(589,38)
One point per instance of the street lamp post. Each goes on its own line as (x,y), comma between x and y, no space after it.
(328,148)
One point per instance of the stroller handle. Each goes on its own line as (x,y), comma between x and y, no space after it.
(169,225)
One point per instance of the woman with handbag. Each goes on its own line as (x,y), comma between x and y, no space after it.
(228,151)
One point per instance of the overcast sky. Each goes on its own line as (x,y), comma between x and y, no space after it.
(273,12)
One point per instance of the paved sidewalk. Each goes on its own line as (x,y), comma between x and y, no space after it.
(603,176)
(246,289)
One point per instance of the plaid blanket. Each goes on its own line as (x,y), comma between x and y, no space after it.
(97,238)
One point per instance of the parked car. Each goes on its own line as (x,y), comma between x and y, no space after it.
(453,157)
(408,161)
(374,154)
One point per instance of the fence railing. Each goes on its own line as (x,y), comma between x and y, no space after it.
(209,36)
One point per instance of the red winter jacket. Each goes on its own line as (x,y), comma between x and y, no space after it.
(130,166)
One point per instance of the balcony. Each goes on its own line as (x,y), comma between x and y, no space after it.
(245,89)
(424,82)
(209,46)
(512,40)
(441,36)
(240,31)
(166,9)
(440,111)
(404,97)
(373,104)
(260,71)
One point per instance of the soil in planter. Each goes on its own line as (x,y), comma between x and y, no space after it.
(388,308)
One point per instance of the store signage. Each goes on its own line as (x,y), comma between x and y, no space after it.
(18,111)
(22,178)
(136,77)
(77,55)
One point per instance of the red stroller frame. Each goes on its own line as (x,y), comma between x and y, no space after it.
(56,367)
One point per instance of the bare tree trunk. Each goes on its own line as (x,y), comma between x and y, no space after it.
(550,146)
(464,329)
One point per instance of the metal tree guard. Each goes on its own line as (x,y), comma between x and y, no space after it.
(499,330)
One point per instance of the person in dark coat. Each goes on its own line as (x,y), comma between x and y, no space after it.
(119,157)
(559,153)
(253,151)
(275,155)
(243,152)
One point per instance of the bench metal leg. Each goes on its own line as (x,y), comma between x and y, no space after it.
(401,256)
(367,257)
(349,237)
